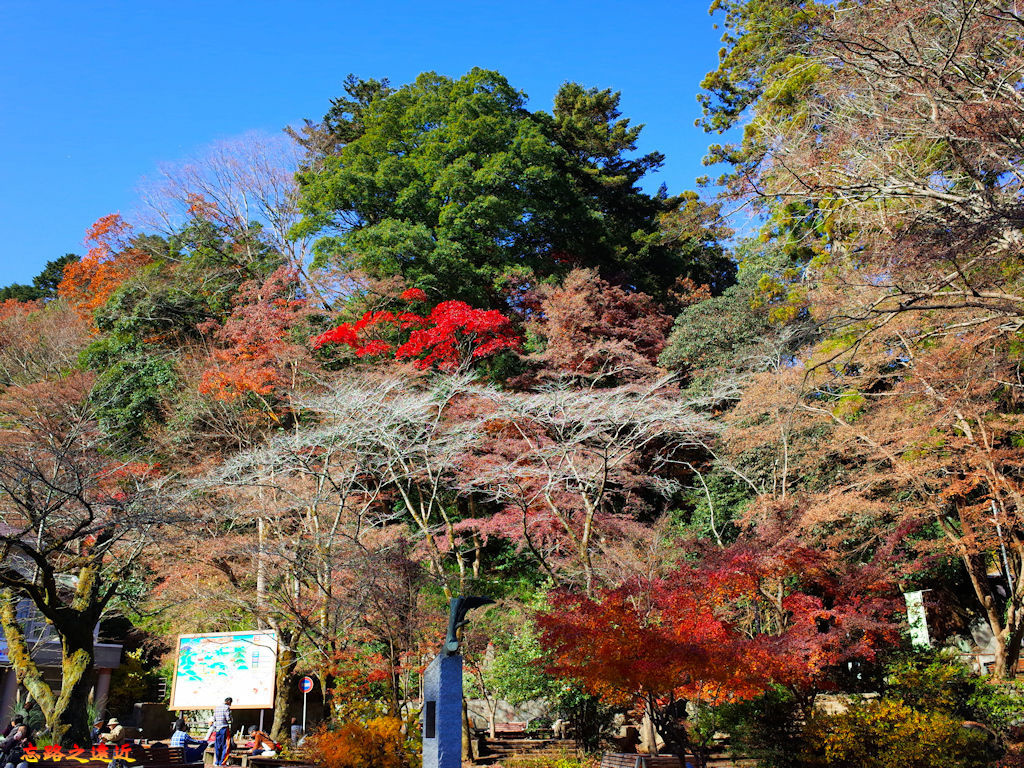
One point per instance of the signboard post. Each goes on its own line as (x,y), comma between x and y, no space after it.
(305,685)
(211,667)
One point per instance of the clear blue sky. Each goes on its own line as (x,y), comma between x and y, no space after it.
(95,95)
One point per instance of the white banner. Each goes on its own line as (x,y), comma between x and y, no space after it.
(917,618)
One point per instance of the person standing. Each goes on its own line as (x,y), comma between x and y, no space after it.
(295,732)
(222,729)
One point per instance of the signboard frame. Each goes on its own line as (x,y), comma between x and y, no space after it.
(267,641)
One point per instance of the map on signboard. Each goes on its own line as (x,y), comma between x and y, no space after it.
(211,667)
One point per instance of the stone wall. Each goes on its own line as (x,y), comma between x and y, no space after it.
(507,713)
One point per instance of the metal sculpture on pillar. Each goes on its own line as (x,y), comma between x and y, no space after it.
(442,693)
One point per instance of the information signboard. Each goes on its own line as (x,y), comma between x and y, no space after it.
(211,667)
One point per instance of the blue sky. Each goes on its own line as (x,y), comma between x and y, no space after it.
(95,95)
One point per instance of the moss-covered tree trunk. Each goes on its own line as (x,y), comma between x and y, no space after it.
(75,521)
(20,656)
(66,714)
(286,661)
(69,719)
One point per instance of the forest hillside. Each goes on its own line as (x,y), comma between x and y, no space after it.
(433,343)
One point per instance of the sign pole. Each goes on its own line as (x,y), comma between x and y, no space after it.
(305,685)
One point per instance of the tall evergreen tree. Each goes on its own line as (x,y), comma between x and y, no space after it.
(455,186)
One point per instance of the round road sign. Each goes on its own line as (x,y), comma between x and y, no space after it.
(306,684)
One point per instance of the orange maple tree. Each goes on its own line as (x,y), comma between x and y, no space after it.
(109,262)
(254,351)
(377,742)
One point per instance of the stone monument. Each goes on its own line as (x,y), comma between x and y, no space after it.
(442,693)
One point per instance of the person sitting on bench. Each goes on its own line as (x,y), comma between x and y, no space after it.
(262,743)
(193,748)
(116,733)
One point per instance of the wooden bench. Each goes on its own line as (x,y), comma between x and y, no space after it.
(510,730)
(162,756)
(624,760)
(258,761)
(235,756)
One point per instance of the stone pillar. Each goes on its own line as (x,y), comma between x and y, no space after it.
(99,693)
(8,694)
(442,713)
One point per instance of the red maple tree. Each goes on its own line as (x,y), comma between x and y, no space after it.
(720,631)
(451,336)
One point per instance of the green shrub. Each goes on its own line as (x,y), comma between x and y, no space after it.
(934,682)
(768,728)
(539,726)
(130,682)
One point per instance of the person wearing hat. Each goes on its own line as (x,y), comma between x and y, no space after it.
(116,733)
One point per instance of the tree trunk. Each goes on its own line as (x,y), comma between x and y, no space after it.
(1007,636)
(490,699)
(648,734)
(20,656)
(67,716)
(467,734)
(69,720)
(394,685)
(669,721)
(261,574)
(1012,651)
(286,661)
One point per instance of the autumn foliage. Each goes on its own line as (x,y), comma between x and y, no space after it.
(110,261)
(596,331)
(253,350)
(354,675)
(717,632)
(451,336)
(239,431)
(378,742)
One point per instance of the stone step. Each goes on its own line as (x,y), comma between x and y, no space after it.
(498,750)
